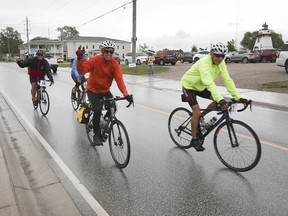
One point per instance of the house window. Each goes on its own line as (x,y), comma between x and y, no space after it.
(123,47)
(117,46)
(87,47)
(93,47)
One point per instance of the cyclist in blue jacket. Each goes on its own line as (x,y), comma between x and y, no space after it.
(79,79)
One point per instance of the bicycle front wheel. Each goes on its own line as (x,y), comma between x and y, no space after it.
(75,98)
(119,144)
(237,146)
(44,102)
(179,126)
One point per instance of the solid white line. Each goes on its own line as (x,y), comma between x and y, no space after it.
(70,175)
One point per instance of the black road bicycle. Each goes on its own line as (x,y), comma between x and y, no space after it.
(42,96)
(236,144)
(113,130)
(79,96)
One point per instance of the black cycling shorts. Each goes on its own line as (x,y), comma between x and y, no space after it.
(34,79)
(191,95)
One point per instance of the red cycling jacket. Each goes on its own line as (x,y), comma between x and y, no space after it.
(102,73)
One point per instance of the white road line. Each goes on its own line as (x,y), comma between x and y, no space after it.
(70,175)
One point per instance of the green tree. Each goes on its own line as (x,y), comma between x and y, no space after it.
(10,40)
(39,38)
(143,47)
(277,40)
(231,45)
(249,39)
(194,48)
(67,32)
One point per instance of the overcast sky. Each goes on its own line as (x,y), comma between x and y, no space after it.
(160,23)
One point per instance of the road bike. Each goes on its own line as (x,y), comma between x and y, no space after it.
(42,96)
(112,129)
(236,144)
(79,96)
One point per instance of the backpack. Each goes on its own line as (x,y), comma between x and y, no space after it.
(83,115)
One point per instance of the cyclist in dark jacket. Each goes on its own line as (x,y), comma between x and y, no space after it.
(38,67)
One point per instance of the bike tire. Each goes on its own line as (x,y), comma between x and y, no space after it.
(75,101)
(44,102)
(240,158)
(89,129)
(179,127)
(37,97)
(119,144)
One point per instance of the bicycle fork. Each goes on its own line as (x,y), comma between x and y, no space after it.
(232,134)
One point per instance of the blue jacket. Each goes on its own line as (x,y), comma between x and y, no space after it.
(74,72)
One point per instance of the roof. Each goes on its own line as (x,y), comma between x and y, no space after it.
(87,38)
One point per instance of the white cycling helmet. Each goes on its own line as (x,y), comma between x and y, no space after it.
(219,48)
(108,44)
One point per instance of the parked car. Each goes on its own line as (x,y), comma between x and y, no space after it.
(117,57)
(187,57)
(245,56)
(200,55)
(60,60)
(268,55)
(282,59)
(140,58)
(203,53)
(163,57)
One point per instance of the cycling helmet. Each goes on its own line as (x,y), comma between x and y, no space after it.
(219,48)
(40,52)
(108,44)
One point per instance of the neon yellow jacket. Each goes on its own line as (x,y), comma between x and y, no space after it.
(203,74)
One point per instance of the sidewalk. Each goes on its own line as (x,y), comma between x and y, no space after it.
(29,187)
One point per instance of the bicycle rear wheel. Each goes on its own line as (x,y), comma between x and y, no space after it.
(179,126)
(75,99)
(35,105)
(44,102)
(237,146)
(119,144)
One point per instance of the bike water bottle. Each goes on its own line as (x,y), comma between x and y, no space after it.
(210,123)
(202,125)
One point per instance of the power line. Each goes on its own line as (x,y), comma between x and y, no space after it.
(104,14)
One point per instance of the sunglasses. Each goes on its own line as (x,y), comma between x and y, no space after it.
(111,51)
(39,54)
(219,56)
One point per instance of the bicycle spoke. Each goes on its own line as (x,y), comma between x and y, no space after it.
(241,157)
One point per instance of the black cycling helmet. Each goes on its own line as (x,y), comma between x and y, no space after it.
(40,52)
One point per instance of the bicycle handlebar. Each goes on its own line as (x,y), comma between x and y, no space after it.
(233,101)
(124,98)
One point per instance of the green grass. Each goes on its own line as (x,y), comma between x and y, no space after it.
(138,70)
(276,84)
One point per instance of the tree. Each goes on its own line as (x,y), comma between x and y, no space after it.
(231,45)
(143,47)
(39,38)
(249,39)
(10,40)
(194,48)
(67,32)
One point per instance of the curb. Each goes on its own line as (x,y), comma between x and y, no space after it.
(28,185)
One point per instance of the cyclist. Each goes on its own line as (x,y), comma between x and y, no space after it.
(38,67)
(79,79)
(103,70)
(199,81)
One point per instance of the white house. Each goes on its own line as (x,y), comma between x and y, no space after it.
(67,48)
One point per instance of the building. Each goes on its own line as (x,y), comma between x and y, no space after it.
(66,49)
(264,38)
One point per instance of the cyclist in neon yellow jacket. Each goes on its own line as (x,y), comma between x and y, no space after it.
(199,81)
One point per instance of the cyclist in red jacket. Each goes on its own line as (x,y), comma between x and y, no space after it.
(103,70)
(38,67)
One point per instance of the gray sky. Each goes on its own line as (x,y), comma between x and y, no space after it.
(160,23)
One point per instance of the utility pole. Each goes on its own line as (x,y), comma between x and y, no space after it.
(27,34)
(134,38)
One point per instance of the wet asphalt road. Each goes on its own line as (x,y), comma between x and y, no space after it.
(161,179)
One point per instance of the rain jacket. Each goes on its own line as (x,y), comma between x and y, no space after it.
(36,68)
(102,73)
(203,74)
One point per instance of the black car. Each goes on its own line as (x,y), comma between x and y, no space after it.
(187,57)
